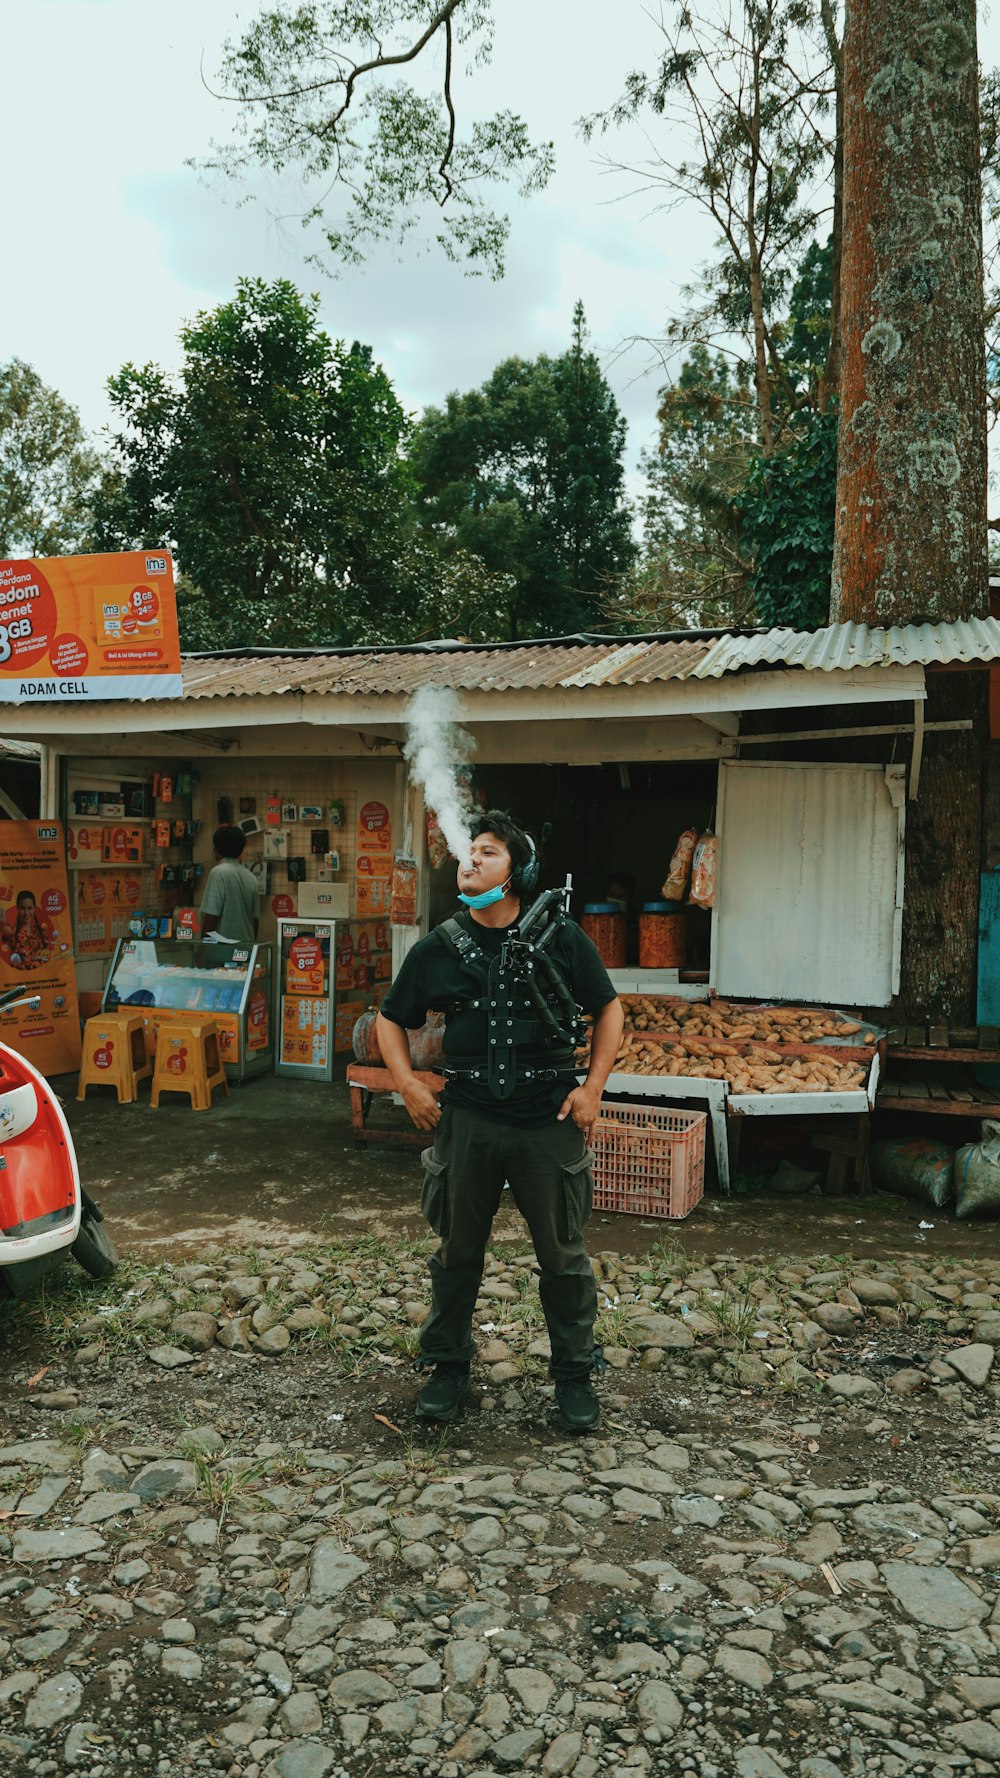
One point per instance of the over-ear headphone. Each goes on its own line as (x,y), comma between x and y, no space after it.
(524,877)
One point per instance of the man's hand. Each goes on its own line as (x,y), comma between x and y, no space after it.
(583,1105)
(421,1103)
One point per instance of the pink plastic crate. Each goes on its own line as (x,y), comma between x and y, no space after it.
(649,1160)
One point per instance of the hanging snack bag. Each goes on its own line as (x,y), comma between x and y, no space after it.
(703,868)
(437,845)
(403,906)
(680,866)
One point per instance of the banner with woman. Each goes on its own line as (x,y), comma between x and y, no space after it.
(36,950)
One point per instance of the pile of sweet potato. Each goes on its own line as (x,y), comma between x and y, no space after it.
(758,1070)
(718,1020)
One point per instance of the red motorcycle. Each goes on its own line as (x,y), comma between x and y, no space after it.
(44,1209)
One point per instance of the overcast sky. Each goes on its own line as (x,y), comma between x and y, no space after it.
(112,242)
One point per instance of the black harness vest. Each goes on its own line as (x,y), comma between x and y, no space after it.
(533,1023)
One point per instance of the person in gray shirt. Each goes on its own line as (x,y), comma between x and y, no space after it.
(230,905)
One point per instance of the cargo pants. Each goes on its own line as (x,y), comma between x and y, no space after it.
(550,1170)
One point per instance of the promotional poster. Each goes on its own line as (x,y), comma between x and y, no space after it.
(73,628)
(36,951)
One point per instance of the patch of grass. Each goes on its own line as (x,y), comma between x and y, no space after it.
(734,1315)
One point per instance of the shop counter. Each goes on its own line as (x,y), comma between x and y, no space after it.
(167,978)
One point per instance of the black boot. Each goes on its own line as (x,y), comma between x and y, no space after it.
(576,1398)
(442,1395)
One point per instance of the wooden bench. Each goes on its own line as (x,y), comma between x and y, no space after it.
(364,1084)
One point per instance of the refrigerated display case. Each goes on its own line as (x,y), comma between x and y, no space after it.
(165,978)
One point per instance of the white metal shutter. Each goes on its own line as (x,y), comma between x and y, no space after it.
(810,882)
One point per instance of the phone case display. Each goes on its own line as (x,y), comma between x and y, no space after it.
(306,998)
(165,978)
(362,972)
(129,848)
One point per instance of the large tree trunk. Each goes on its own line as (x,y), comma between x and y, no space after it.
(910,543)
(938,978)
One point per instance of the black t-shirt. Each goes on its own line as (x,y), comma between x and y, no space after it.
(431,979)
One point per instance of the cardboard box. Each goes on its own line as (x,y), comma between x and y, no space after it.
(329,899)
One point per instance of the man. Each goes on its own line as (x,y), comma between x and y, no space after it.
(230,905)
(512,1111)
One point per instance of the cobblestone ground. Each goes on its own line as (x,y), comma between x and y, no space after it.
(225,1547)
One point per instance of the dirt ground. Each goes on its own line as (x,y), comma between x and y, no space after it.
(276,1159)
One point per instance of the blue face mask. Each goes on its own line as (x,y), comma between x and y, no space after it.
(487,899)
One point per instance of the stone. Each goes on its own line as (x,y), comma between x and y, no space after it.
(744,1667)
(273,1342)
(83,1744)
(696,1509)
(169,1358)
(756,1762)
(304,1759)
(643,1477)
(181,1663)
(835,1318)
(482,1535)
(178,1629)
(979,1691)
(52,1546)
(55,1700)
(562,1754)
(332,1569)
(908,1382)
(237,1291)
(667,1332)
(981,1738)
(933,1596)
(167,1476)
(659,1707)
(306,1320)
(871,1292)
(511,1751)
(861,1694)
(465,1659)
(535,1689)
(234,1335)
(984,1552)
(301,1715)
(849,1387)
(974,1363)
(100,1506)
(359,1686)
(194,1329)
(643,1506)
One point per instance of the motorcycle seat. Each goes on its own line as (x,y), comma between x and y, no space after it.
(18,1111)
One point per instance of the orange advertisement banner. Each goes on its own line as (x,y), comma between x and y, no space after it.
(36,946)
(80,627)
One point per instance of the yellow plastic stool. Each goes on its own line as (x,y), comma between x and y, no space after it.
(188,1060)
(114,1055)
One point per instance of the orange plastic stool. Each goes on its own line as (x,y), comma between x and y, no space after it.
(188,1060)
(114,1055)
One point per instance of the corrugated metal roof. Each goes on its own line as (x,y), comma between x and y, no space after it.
(28,752)
(577,662)
(544,666)
(842,646)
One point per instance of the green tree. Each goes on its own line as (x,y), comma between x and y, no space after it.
(526,473)
(733,535)
(48,469)
(787,509)
(274,466)
(695,567)
(318,87)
